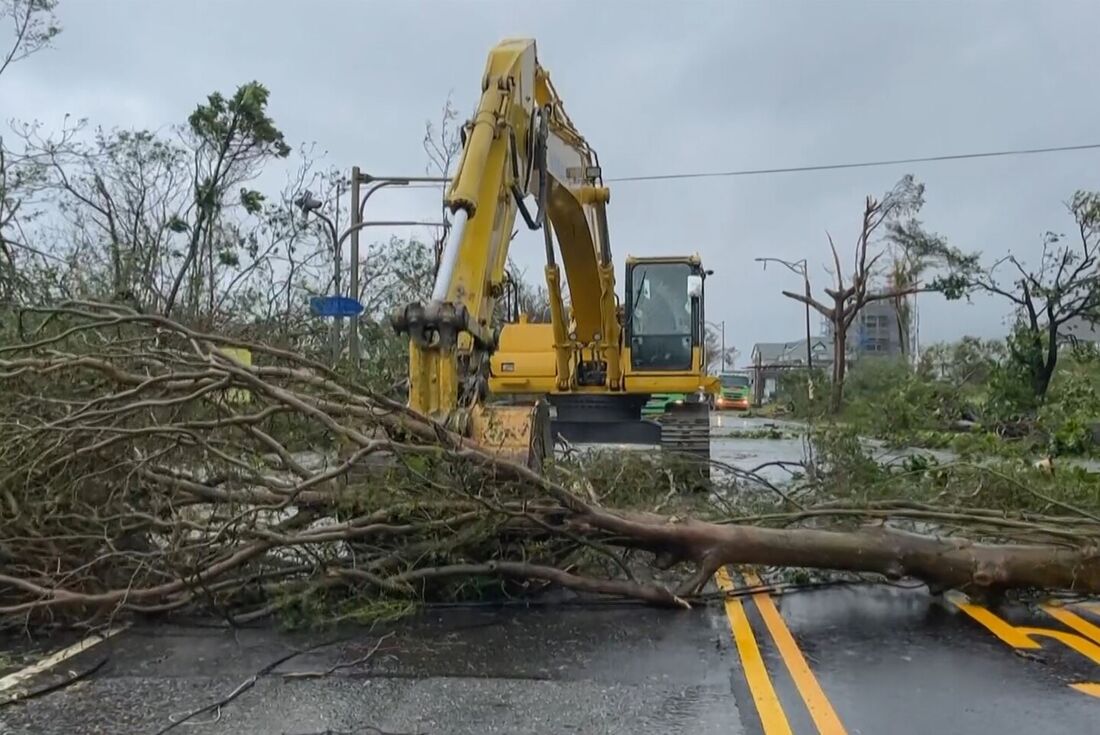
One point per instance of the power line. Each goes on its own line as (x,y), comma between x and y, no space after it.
(862,164)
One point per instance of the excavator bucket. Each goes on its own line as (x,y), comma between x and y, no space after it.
(519,433)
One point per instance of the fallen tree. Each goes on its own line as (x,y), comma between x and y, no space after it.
(147,468)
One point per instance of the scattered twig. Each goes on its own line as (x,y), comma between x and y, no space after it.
(240,689)
(361,730)
(337,667)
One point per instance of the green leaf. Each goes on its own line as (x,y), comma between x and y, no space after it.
(252,201)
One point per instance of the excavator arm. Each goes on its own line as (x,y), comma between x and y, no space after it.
(519,144)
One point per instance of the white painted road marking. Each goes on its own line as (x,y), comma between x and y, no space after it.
(17,678)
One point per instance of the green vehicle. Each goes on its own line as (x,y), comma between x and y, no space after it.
(659,403)
(735,392)
(736,388)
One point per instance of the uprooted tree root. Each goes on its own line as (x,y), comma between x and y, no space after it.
(145,469)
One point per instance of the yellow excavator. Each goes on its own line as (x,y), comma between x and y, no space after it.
(584,377)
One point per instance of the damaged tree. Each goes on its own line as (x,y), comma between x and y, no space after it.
(848,295)
(146,469)
(1053,300)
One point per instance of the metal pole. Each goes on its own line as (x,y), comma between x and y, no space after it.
(809,347)
(356,213)
(357,205)
(336,268)
(801,266)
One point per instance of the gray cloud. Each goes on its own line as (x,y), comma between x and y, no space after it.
(657,88)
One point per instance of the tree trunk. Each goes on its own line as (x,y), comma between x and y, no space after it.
(904,317)
(1041,380)
(840,354)
(1047,365)
(941,562)
(1039,374)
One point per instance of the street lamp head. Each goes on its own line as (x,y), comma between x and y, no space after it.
(797,266)
(307,202)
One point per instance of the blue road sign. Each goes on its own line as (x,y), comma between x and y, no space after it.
(334,306)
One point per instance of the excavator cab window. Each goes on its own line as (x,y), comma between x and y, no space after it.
(664,302)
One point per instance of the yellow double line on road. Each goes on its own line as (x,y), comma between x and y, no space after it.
(1085,638)
(772,716)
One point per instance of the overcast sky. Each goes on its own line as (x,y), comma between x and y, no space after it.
(656,88)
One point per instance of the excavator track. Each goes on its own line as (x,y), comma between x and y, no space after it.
(685,432)
(685,429)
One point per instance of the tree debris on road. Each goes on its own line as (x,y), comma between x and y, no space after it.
(146,469)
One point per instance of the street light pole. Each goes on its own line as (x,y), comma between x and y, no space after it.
(357,206)
(353,232)
(310,204)
(356,218)
(799,267)
(809,347)
(338,267)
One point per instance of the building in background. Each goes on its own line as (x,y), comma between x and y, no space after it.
(874,332)
(770,360)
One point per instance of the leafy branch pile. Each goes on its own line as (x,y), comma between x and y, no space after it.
(146,469)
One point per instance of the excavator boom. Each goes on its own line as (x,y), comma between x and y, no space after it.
(522,155)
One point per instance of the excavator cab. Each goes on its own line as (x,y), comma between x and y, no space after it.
(664,307)
(661,396)
(665,356)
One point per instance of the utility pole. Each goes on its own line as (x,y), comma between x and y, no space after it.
(809,346)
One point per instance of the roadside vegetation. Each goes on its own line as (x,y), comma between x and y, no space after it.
(972,397)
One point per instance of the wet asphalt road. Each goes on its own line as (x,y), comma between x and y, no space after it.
(598,669)
(899,661)
(887,660)
(875,660)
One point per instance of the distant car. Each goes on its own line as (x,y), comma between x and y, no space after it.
(735,392)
